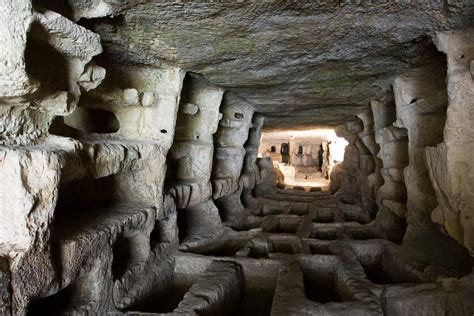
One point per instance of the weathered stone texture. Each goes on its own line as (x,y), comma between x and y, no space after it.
(266,53)
(130,180)
(191,162)
(450,163)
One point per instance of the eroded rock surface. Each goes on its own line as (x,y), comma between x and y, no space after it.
(130,181)
(268,55)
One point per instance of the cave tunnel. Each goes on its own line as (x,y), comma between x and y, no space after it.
(232,158)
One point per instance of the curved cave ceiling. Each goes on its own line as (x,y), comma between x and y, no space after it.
(137,175)
(299,63)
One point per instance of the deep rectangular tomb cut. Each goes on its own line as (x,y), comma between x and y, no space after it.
(164,292)
(299,209)
(217,291)
(260,284)
(355,214)
(258,249)
(283,246)
(359,232)
(320,279)
(370,255)
(318,247)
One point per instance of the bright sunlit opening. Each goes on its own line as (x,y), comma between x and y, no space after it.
(303,158)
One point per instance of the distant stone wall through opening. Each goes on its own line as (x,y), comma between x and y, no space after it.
(303,159)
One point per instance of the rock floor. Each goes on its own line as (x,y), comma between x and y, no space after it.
(305,254)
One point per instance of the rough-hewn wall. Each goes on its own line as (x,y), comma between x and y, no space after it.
(112,164)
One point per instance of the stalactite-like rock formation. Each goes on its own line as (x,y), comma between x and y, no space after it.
(130,175)
(393,152)
(373,163)
(250,172)
(191,161)
(229,159)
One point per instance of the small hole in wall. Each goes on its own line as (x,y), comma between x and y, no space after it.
(197,137)
(182,225)
(84,120)
(413,101)
(239,116)
(462,56)
(163,131)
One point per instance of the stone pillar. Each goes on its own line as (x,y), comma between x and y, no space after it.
(229,159)
(294,160)
(267,181)
(353,173)
(391,196)
(250,169)
(367,137)
(191,159)
(393,152)
(325,167)
(421,102)
(451,163)
(344,177)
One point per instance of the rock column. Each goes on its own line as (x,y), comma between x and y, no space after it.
(421,102)
(250,169)
(229,159)
(191,160)
(391,196)
(352,175)
(393,152)
(374,179)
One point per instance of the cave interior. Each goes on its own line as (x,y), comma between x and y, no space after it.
(233,158)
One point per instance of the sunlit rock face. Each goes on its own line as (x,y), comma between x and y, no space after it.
(454,154)
(131,179)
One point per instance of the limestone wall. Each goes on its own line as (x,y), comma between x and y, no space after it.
(116,161)
(100,162)
(451,162)
(82,170)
